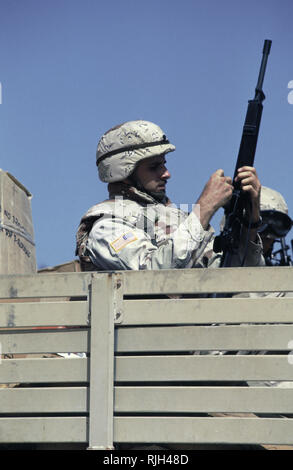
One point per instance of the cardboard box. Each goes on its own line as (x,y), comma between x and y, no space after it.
(17,247)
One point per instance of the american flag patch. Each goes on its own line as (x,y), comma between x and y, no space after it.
(122,241)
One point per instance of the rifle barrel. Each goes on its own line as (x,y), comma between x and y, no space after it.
(265,52)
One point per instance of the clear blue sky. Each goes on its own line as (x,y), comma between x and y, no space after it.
(71,69)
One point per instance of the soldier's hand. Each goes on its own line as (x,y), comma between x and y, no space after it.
(216,193)
(249,182)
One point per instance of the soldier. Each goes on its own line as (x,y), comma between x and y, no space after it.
(276,224)
(138,227)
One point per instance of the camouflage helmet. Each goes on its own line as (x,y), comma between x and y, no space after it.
(274,212)
(272,200)
(123,146)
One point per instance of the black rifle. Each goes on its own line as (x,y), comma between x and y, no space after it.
(228,240)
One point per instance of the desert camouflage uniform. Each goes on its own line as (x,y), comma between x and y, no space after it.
(125,234)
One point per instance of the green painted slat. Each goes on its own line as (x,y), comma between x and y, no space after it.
(204,311)
(57,429)
(203,430)
(44,285)
(42,400)
(43,370)
(15,315)
(44,341)
(189,399)
(195,281)
(202,368)
(204,338)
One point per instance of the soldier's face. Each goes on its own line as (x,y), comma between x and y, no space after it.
(153,174)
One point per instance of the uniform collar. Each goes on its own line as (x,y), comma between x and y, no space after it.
(131,192)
